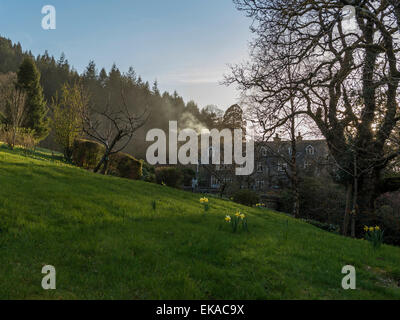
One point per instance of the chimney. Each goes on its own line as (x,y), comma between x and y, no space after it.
(299,137)
(277,138)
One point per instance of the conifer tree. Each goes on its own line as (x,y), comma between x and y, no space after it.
(36,108)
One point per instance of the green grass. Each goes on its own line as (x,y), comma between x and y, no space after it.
(106,242)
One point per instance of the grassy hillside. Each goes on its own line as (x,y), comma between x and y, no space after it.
(106,242)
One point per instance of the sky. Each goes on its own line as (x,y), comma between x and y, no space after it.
(186,45)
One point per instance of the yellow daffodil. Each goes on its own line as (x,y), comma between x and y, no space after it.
(366,228)
(377,228)
(242,216)
(203,200)
(228,219)
(237,214)
(371,228)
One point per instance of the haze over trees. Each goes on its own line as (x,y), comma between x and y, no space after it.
(99,84)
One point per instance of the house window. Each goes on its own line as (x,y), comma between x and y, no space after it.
(310,150)
(214,182)
(259,184)
(259,167)
(282,166)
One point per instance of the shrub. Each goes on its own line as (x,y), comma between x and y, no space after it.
(17,136)
(125,166)
(86,153)
(320,199)
(246,197)
(148,172)
(171,176)
(384,218)
(188,175)
(26,139)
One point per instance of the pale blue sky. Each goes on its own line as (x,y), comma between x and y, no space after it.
(184,44)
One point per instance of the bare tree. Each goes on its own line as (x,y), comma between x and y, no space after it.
(348,78)
(267,115)
(13,100)
(112,127)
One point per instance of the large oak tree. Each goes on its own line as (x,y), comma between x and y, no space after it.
(346,54)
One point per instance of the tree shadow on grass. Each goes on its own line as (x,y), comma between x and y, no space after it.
(37,153)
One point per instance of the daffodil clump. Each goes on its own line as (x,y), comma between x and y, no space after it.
(374,235)
(237,220)
(204,202)
(260,205)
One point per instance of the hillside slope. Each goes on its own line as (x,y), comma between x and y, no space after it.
(106,242)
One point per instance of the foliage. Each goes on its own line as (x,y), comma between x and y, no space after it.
(86,153)
(320,199)
(246,197)
(36,108)
(239,219)
(13,104)
(148,172)
(170,176)
(188,175)
(374,235)
(385,218)
(17,137)
(67,116)
(125,166)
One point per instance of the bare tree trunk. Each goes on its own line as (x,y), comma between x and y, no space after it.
(294,178)
(293,163)
(355,196)
(105,166)
(349,189)
(103,163)
(222,190)
(105,158)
